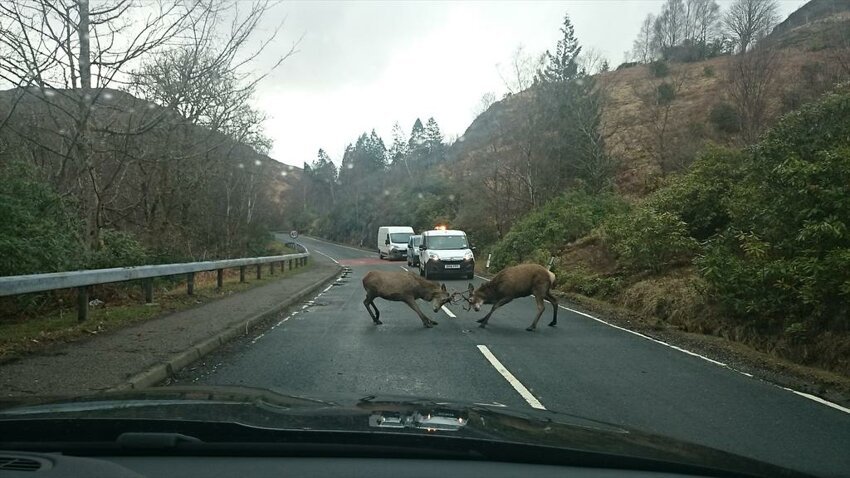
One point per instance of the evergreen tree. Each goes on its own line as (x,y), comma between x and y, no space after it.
(417,136)
(563,65)
(399,149)
(433,136)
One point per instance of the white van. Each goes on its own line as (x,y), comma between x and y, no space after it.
(392,241)
(446,252)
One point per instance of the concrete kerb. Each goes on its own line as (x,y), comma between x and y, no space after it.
(162,371)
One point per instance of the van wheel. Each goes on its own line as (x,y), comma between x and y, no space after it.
(470,276)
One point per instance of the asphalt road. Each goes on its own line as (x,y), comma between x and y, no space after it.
(583,367)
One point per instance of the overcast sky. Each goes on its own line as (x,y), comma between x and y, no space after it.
(365,65)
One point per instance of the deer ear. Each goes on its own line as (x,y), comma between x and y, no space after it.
(443,287)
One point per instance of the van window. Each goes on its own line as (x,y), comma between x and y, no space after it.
(400,237)
(447,242)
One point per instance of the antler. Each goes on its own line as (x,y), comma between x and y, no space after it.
(458,296)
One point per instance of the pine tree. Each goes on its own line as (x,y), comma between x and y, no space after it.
(563,65)
(433,136)
(417,136)
(399,148)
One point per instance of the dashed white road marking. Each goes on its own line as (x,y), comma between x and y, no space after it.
(405,268)
(518,386)
(449,312)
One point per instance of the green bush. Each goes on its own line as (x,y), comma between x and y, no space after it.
(38,233)
(119,249)
(659,69)
(725,118)
(645,239)
(785,256)
(543,232)
(700,197)
(665,93)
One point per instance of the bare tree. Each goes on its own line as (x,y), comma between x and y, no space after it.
(486,101)
(750,80)
(703,20)
(748,21)
(591,60)
(519,74)
(669,26)
(658,100)
(642,48)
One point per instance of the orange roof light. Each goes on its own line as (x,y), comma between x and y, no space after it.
(440,227)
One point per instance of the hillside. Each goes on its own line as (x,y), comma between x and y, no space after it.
(651,140)
(139,184)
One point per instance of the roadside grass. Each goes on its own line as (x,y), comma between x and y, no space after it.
(122,307)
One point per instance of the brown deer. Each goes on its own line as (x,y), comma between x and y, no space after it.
(511,283)
(403,287)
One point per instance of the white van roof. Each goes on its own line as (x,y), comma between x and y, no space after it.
(440,232)
(398,228)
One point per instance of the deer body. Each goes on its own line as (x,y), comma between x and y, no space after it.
(403,287)
(513,282)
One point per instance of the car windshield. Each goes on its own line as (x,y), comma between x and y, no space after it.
(399,237)
(213,193)
(447,242)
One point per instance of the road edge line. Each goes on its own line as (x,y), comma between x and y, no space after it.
(161,371)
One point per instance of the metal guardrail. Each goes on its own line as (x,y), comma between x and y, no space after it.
(82,280)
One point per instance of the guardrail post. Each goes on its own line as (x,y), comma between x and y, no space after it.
(259,271)
(241,273)
(147,286)
(219,278)
(190,283)
(82,304)
(290,264)
(271,268)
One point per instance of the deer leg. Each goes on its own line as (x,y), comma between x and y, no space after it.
(483,321)
(554,301)
(376,316)
(425,320)
(540,308)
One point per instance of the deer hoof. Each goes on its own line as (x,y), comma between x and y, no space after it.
(433,322)
(480,321)
(378,322)
(552,324)
(482,325)
(530,329)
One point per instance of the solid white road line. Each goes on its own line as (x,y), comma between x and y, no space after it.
(405,268)
(518,386)
(329,257)
(449,312)
(819,400)
(715,362)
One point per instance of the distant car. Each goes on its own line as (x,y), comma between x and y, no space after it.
(392,241)
(446,252)
(413,250)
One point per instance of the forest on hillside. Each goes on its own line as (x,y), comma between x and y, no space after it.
(117,152)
